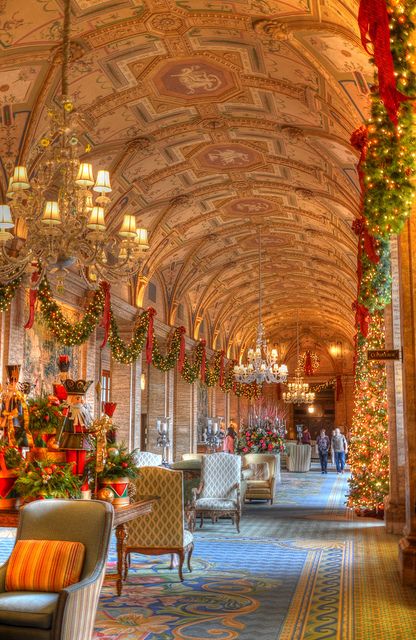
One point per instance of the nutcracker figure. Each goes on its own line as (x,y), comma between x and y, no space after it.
(14,420)
(74,435)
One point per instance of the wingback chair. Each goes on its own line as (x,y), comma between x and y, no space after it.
(147,459)
(262,485)
(219,492)
(69,614)
(162,531)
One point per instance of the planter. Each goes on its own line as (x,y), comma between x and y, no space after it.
(7,495)
(119,488)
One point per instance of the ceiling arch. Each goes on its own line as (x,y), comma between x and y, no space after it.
(213,119)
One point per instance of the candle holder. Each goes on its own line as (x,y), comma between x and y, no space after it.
(213,436)
(162,425)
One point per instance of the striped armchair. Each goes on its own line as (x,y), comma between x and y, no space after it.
(147,459)
(163,530)
(69,614)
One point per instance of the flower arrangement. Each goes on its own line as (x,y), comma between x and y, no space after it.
(264,438)
(45,414)
(119,463)
(44,479)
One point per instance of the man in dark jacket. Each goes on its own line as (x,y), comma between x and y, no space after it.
(322,442)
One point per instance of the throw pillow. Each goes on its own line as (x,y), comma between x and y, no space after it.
(44,565)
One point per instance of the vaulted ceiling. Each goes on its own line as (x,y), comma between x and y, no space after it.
(213,118)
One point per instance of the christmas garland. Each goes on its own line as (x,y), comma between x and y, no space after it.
(8,291)
(192,366)
(126,354)
(167,362)
(67,333)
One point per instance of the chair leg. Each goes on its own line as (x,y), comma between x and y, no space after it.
(237,521)
(191,548)
(202,521)
(126,565)
(171,561)
(181,556)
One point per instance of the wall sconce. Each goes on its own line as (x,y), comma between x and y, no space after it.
(311,409)
(335,349)
(162,426)
(143,381)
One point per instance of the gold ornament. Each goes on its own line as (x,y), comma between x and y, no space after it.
(105,494)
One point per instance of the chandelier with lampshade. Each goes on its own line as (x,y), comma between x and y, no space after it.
(55,214)
(262,365)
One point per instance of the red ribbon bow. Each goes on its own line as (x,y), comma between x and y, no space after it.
(181,359)
(33,296)
(222,356)
(105,320)
(150,335)
(203,360)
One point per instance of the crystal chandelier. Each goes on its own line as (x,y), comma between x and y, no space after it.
(298,391)
(55,217)
(262,365)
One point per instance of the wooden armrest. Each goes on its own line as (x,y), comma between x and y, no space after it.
(196,492)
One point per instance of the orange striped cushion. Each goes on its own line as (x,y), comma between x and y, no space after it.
(44,565)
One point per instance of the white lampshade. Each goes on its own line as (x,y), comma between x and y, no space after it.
(6,221)
(128,228)
(51,215)
(102,183)
(96,221)
(20,179)
(85,176)
(142,238)
(10,190)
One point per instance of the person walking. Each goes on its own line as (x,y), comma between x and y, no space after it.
(306,436)
(323,444)
(228,442)
(340,448)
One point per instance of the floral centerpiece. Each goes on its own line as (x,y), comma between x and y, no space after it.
(114,473)
(265,437)
(45,479)
(11,461)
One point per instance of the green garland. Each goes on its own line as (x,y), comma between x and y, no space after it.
(375,286)
(67,333)
(126,354)
(167,362)
(8,292)
(213,369)
(390,165)
(192,368)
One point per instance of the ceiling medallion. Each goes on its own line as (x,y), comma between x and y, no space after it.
(262,365)
(213,123)
(55,218)
(166,23)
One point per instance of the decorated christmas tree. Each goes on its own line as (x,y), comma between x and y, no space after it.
(368,451)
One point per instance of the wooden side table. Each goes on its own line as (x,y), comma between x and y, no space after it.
(142,506)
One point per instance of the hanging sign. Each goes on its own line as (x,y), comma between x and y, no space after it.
(384,354)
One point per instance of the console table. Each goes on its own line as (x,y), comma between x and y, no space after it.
(142,506)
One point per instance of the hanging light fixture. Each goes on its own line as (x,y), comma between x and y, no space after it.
(298,390)
(56,214)
(262,365)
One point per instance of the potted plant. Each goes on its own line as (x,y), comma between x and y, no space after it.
(41,479)
(11,461)
(118,469)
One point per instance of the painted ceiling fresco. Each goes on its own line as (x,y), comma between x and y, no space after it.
(213,117)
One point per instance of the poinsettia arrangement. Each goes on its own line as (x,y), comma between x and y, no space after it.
(264,439)
(45,416)
(45,479)
(119,463)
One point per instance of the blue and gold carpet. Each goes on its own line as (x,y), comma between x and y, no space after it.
(302,569)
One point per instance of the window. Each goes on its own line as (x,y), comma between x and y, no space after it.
(151,292)
(105,386)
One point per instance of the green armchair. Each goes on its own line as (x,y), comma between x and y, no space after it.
(69,614)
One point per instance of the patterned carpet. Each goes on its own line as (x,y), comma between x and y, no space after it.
(302,569)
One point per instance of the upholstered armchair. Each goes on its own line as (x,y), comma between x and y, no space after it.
(219,492)
(193,456)
(261,485)
(162,531)
(69,614)
(147,459)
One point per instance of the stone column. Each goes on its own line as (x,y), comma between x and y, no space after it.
(395,511)
(157,405)
(184,431)
(407,267)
